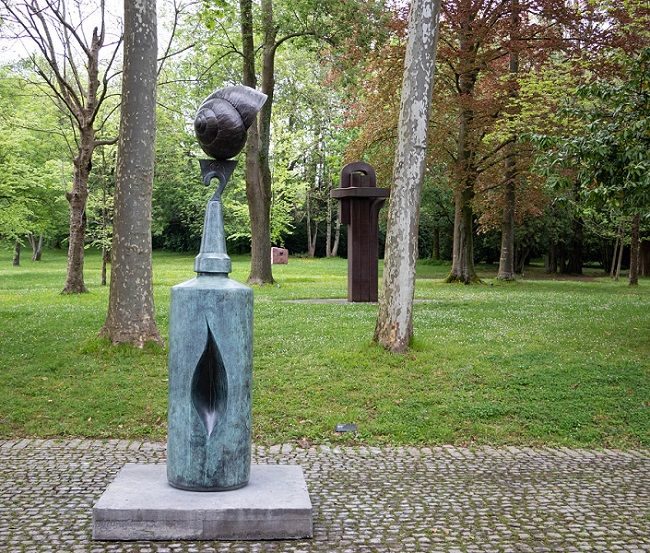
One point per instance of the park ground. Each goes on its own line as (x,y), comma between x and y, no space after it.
(530,363)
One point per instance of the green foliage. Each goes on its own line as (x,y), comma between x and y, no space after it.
(33,164)
(607,152)
(179,196)
(536,362)
(100,204)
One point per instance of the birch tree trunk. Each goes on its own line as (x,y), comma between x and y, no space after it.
(337,236)
(38,251)
(131,317)
(394,328)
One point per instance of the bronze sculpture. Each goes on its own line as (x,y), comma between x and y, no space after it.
(223,119)
(210,341)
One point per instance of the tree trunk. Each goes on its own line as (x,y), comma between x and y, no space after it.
(574,265)
(506,260)
(259,202)
(435,249)
(16,260)
(551,260)
(462,268)
(337,236)
(311,236)
(520,260)
(38,249)
(258,171)
(308,218)
(635,250)
(77,198)
(328,228)
(394,328)
(106,257)
(312,243)
(645,259)
(36,245)
(258,174)
(106,252)
(618,243)
(131,317)
(621,249)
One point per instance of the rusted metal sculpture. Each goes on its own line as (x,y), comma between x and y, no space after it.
(361,201)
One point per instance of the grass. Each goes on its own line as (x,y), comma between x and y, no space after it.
(532,362)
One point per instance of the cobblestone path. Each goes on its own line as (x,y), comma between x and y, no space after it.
(445,499)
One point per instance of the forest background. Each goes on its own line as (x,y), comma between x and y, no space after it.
(539,130)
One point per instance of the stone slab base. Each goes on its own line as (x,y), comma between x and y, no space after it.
(140,505)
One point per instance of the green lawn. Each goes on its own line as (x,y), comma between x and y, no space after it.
(532,362)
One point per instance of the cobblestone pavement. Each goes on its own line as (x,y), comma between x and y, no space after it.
(446,499)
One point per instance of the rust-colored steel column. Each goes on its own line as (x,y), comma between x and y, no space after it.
(361,201)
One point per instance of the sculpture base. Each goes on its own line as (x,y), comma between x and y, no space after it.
(140,505)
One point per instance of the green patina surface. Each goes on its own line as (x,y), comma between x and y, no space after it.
(210,372)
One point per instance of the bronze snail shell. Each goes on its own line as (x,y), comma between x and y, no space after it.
(223,119)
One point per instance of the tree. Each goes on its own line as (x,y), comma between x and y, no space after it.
(69,66)
(507,257)
(477,42)
(258,174)
(31,169)
(394,327)
(131,317)
(471,96)
(605,156)
(308,144)
(99,210)
(326,21)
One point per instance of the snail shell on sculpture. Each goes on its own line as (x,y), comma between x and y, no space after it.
(223,119)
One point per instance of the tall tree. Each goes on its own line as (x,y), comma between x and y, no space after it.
(472,49)
(604,157)
(70,66)
(507,257)
(327,21)
(394,327)
(31,169)
(258,173)
(131,317)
